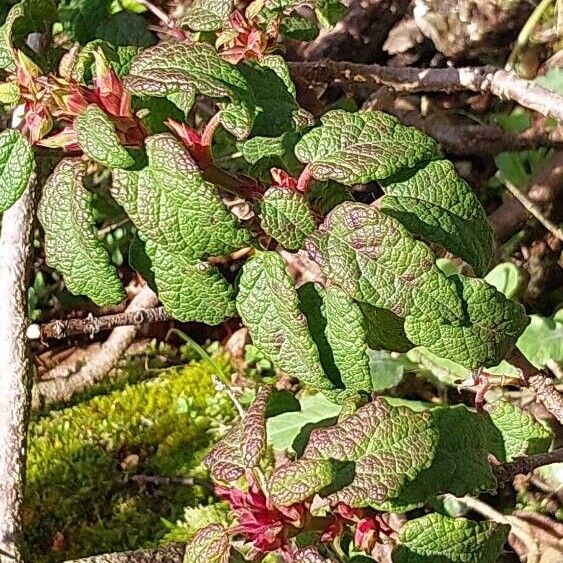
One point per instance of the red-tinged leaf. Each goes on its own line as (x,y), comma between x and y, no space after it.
(309,554)
(210,545)
(243,446)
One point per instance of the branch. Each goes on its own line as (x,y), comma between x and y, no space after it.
(170,553)
(98,365)
(93,325)
(500,83)
(540,382)
(16,366)
(360,34)
(505,472)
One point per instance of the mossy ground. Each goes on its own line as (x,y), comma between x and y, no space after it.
(79,500)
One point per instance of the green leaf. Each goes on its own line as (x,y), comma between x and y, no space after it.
(243,447)
(346,334)
(329,12)
(372,257)
(172,67)
(354,148)
(521,432)
(210,544)
(286,217)
(274,95)
(384,329)
(9,93)
(436,204)
(438,539)
(98,138)
(27,16)
(16,167)
(385,370)
(268,306)
(71,244)
(506,278)
(207,15)
(299,480)
(190,289)
(489,331)
(284,428)
(81,18)
(299,28)
(541,341)
(183,221)
(255,149)
(139,260)
(389,445)
(126,29)
(309,554)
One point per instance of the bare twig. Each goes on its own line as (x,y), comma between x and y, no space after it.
(170,553)
(360,34)
(533,209)
(498,82)
(160,480)
(505,472)
(16,366)
(540,382)
(99,364)
(93,325)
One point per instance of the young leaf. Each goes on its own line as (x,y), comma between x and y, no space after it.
(541,341)
(257,148)
(210,544)
(126,29)
(183,221)
(285,216)
(354,148)
(507,278)
(522,433)
(491,328)
(207,15)
(71,244)
(436,204)
(98,139)
(173,67)
(346,334)
(16,167)
(267,304)
(243,447)
(438,539)
(373,259)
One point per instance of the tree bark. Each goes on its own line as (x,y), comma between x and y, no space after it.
(15,366)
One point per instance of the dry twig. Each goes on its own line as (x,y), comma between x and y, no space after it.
(486,79)
(170,553)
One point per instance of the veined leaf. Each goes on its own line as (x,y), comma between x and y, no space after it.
(172,67)
(98,138)
(309,554)
(492,326)
(267,303)
(354,148)
(16,167)
(71,244)
(435,203)
(346,334)
(207,15)
(285,215)
(438,539)
(210,544)
(243,447)
(373,259)
(522,433)
(183,221)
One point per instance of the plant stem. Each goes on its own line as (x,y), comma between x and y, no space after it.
(16,367)
(526,464)
(526,32)
(533,210)
(485,79)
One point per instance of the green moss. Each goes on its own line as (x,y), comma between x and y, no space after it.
(80,457)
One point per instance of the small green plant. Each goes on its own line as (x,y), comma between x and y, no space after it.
(124,104)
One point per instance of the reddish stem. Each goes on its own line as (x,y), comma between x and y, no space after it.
(304,180)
